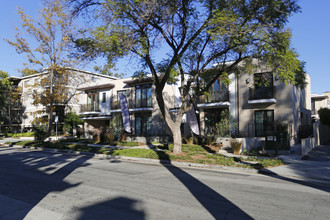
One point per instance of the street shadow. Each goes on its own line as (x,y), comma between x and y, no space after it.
(320,154)
(313,184)
(217,205)
(28,176)
(118,208)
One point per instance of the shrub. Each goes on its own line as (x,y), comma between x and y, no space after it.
(97,135)
(26,134)
(188,140)
(324,114)
(72,120)
(40,133)
(207,140)
(235,145)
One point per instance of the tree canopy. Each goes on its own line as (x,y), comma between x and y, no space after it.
(196,34)
(5,86)
(46,42)
(324,114)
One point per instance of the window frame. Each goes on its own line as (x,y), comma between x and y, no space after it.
(143,95)
(265,122)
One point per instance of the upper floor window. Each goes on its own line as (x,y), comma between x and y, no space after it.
(263,86)
(218,92)
(143,95)
(93,103)
(104,97)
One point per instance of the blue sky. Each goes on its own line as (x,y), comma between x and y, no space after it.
(311,36)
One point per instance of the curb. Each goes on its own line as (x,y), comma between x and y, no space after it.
(145,160)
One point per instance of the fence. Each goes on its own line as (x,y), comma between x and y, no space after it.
(307,145)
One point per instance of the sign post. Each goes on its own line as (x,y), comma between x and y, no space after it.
(56,120)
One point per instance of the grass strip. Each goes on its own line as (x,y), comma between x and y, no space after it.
(190,153)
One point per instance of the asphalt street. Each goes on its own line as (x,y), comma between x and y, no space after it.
(40,185)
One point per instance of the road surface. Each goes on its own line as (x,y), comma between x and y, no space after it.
(40,185)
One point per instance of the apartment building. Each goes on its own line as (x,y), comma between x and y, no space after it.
(103,103)
(256,109)
(75,79)
(318,102)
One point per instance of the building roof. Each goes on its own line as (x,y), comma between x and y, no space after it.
(101,86)
(69,68)
(317,96)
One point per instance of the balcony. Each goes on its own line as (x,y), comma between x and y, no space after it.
(262,95)
(215,99)
(90,109)
(217,96)
(132,105)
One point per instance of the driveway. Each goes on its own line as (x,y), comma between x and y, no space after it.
(315,166)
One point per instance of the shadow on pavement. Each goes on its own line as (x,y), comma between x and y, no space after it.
(28,176)
(118,208)
(316,185)
(318,163)
(217,205)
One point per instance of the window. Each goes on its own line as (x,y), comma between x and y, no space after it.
(93,102)
(218,92)
(264,123)
(104,97)
(143,96)
(263,86)
(143,124)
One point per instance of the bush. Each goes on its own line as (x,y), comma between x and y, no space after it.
(324,114)
(97,135)
(72,120)
(207,140)
(188,140)
(236,146)
(40,133)
(26,134)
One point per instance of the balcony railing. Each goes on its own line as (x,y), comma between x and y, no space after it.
(131,104)
(90,108)
(217,96)
(262,93)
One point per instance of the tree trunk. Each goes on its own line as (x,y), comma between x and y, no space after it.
(177,139)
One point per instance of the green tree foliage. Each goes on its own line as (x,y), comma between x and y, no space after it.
(196,35)
(46,42)
(10,96)
(72,120)
(5,87)
(324,114)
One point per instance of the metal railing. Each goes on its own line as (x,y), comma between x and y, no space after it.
(262,93)
(216,96)
(94,107)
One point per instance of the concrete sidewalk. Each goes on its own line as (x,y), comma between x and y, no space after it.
(315,166)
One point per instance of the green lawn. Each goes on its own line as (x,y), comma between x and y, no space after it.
(190,153)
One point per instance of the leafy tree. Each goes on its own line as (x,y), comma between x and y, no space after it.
(9,96)
(46,43)
(71,120)
(196,35)
(5,86)
(324,114)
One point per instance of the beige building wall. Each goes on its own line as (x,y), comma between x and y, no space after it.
(292,105)
(78,79)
